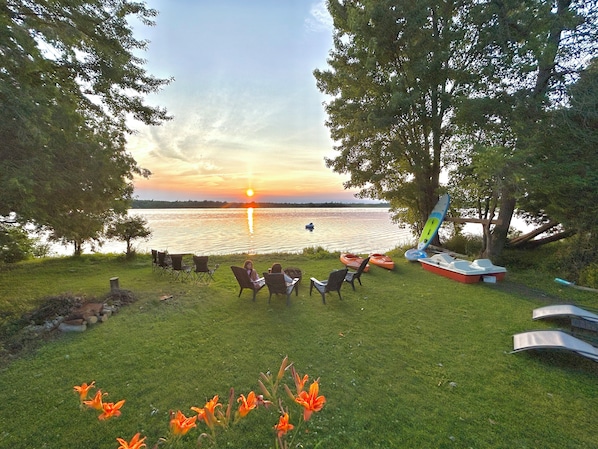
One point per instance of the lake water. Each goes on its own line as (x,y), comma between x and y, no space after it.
(264,230)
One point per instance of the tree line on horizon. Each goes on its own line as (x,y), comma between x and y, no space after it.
(210,204)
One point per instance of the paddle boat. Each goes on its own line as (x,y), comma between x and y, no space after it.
(309,226)
(462,270)
(353,261)
(382,260)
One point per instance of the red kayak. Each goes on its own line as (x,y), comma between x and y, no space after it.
(353,261)
(382,260)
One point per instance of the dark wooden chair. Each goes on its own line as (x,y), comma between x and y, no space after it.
(351,276)
(277,284)
(202,272)
(332,284)
(245,282)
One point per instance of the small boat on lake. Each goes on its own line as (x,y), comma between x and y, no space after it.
(353,261)
(463,270)
(309,226)
(382,260)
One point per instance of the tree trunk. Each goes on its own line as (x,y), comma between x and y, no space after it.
(523,239)
(539,242)
(497,238)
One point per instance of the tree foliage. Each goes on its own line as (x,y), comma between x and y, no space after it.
(397,71)
(70,82)
(127,229)
(416,87)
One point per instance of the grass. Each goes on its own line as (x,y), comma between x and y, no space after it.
(409,359)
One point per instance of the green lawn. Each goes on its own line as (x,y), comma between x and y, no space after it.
(408,360)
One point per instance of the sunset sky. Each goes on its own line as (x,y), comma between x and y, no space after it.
(247,112)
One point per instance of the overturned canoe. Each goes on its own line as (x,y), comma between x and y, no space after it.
(353,261)
(382,260)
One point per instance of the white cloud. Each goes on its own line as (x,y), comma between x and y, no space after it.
(319,18)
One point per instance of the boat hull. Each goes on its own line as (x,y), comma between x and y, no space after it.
(462,270)
(382,260)
(459,277)
(353,261)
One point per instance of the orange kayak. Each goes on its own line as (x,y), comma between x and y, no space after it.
(353,261)
(382,260)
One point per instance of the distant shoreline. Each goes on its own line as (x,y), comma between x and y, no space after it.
(205,204)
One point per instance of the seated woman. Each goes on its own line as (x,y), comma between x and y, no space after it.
(248,265)
(277,268)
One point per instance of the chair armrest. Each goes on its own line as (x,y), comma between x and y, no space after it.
(315,281)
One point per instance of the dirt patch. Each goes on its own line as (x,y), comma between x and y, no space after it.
(525,291)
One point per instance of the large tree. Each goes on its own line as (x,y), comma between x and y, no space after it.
(71,78)
(397,71)
(535,50)
(417,85)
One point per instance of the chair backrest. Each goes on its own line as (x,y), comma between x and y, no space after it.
(155,256)
(362,266)
(275,282)
(162,259)
(335,280)
(201,264)
(242,277)
(177,261)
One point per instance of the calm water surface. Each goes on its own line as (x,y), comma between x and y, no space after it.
(263,230)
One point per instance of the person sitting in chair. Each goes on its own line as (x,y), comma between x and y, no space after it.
(248,265)
(277,268)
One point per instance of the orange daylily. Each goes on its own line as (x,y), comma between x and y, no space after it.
(212,404)
(83,390)
(283,425)
(135,443)
(180,424)
(96,402)
(311,402)
(210,410)
(111,409)
(299,381)
(247,404)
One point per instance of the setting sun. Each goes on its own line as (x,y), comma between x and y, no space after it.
(249,192)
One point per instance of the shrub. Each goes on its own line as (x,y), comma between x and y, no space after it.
(465,244)
(15,244)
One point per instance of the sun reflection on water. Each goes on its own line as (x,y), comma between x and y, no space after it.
(250,219)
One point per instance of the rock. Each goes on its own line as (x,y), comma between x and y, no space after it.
(75,322)
(65,327)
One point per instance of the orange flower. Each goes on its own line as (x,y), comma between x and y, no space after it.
(83,390)
(135,443)
(111,409)
(300,382)
(311,402)
(201,413)
(180,424)
(247,404)
(208,412)
(96,402)
(212,404)
(283,425)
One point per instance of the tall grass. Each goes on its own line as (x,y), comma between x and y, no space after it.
(409,359)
